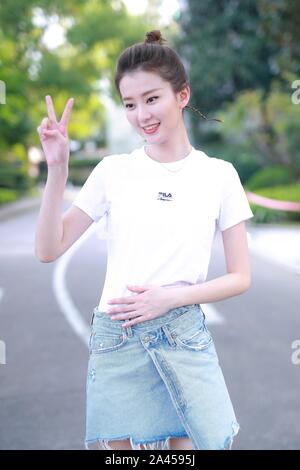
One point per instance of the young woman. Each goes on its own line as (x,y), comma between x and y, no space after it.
(154,380)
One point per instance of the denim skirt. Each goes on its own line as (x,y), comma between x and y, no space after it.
(156,380)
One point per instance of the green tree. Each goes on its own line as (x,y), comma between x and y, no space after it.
(233,45)
(280,23)
(268,128)
(96,32)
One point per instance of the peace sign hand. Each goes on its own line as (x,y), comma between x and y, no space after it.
(54,134)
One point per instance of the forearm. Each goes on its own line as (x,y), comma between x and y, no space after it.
(220,288)
(49,229)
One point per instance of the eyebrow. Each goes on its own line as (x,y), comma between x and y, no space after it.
(143,94)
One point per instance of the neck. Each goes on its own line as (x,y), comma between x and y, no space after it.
(175,148)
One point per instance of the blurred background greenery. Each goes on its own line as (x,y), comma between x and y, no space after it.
(242,58)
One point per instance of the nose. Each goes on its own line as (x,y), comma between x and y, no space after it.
(143,115)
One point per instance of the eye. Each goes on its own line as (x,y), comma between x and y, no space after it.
(151,97)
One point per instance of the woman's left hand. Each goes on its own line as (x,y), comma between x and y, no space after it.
(151,302)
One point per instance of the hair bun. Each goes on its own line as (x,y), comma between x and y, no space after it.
(154,36)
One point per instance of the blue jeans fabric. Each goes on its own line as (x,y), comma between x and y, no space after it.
(155,380)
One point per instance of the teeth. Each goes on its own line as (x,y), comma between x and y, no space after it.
(151,127)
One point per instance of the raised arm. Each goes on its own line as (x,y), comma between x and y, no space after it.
(55,143)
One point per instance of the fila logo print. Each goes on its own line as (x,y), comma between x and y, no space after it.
(165,196)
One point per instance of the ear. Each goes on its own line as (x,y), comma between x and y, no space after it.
(184,96)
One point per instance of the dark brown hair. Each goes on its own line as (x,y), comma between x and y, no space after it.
(153,55)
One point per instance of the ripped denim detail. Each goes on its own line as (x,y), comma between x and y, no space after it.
(229,440)
(103,444)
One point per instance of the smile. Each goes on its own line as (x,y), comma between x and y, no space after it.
(151,129)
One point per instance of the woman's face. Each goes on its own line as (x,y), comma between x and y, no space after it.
(147,100)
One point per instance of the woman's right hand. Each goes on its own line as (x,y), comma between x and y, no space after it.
(54,135)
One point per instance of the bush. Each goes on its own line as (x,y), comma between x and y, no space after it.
(281,193)
(13,175)
(267,126)
(265,215)
(270,177)
(8,195)
(79,170)
(83,162)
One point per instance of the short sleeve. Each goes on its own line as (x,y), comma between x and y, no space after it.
(234,205)
(92,196)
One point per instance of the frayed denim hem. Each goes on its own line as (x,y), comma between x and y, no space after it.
(229,440)
(159,444)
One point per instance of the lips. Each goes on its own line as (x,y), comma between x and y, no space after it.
(151,130)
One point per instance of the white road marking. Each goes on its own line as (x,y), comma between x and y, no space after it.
(2,352)
(2,343)
(66,304)
(1,293)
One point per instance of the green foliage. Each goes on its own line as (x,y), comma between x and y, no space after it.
(13,175)
(271,216)
(79,170)
(232,46)
(280,193)
(269,128)
(8,195)
(84,162)
(269,177)
(280,24)
(226,52)
(96,33)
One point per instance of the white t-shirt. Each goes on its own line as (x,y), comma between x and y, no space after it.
(161,224)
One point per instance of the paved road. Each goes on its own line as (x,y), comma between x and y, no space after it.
(42,391)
